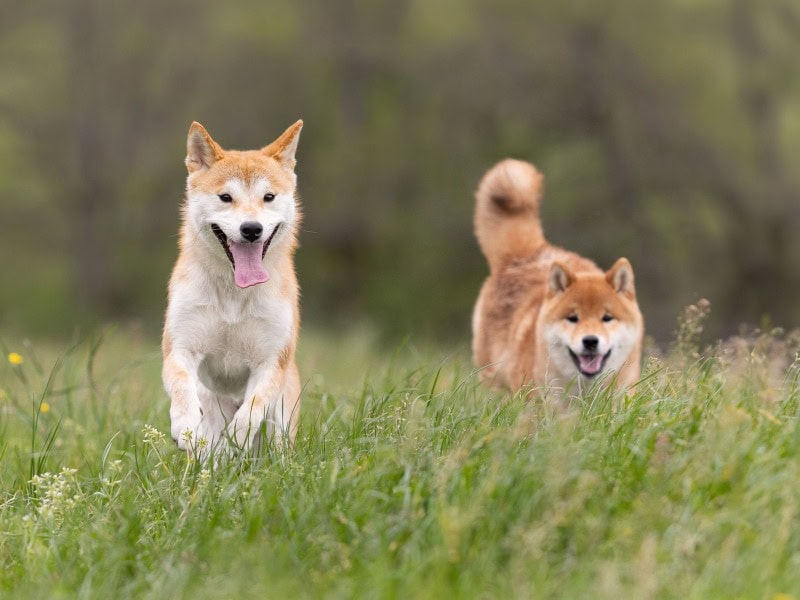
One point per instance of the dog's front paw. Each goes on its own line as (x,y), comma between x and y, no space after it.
(242,431)
(186,428)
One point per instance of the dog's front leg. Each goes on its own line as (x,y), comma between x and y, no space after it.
(184,412)
(260,399)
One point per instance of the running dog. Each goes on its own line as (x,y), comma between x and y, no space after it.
(233,315)
(546,316)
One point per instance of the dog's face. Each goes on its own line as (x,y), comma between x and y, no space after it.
(590,322)
(242,203)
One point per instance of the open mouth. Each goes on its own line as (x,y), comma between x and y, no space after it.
(223,240)
(246,257)
(589,364)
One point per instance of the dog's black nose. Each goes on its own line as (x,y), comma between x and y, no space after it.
(251,230)
(590,343)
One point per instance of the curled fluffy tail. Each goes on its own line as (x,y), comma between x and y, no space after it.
(507,221)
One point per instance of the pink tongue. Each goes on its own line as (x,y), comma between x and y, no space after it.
(590,364)
(248,269)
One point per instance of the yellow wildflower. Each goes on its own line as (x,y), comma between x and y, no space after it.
(44,408)
(15,359)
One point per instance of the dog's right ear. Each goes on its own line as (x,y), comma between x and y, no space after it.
(201,150)
(560,278)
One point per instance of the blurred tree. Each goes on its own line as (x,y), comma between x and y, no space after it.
(664,131)
(766,218)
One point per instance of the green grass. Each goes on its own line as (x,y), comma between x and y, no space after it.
(408,479)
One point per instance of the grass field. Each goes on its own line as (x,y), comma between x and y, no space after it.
(408,479)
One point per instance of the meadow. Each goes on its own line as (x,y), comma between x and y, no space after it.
(408,479)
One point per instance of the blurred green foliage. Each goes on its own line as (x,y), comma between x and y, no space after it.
(666,132)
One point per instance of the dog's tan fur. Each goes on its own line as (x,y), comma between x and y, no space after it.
(229,351)
(521,328)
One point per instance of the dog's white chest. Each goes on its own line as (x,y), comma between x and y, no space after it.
(232,339)
(233,351)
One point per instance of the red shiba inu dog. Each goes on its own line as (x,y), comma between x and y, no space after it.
(546,316)
(233,316)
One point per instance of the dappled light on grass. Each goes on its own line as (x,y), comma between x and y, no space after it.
(409,478)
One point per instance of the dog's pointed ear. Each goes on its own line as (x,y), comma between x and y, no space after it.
(201,150)
(620,277)
(284,148)
(560,278)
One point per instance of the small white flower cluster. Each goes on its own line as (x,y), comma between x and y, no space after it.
(249,486)
(151,435)
(57,493)
(203,479)
(195,449)
(111,477)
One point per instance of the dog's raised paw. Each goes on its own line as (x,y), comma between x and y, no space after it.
(186,430)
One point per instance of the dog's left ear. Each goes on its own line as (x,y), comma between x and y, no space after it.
(620,277)
(285,146)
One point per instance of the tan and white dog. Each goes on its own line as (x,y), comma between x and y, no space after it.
(546,316)
(233,316)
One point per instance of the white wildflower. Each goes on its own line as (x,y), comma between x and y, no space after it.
(203,478)
(57,493)
(151,435)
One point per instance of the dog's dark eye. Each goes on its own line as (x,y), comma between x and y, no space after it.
(269,197)
(607,318)
(572,318)
(226,197)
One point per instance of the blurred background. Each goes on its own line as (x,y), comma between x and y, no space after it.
(668,132)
